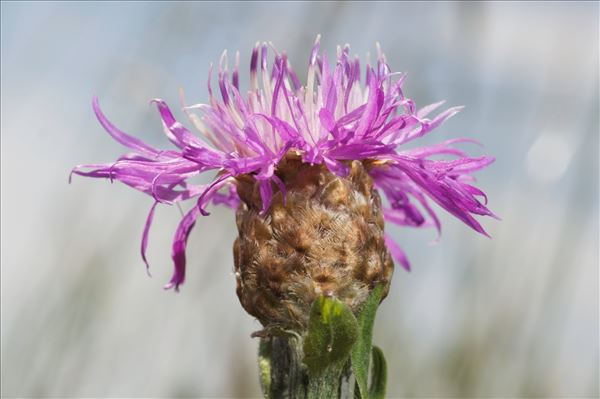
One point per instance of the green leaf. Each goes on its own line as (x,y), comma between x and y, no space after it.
(264,366)
(378,375)
(361,352)
(332,330)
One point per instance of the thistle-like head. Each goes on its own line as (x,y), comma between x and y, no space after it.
(304,165)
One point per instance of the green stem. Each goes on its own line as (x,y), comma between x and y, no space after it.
(325,385)
(320,361)
(284,375)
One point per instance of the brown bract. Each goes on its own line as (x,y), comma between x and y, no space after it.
(326,240)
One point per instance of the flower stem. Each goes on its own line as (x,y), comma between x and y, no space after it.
(284,375)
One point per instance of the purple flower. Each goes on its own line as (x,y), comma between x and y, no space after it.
(331,120)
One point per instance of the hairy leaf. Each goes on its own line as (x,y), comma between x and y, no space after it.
(332,330)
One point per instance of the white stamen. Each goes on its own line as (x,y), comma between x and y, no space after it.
(223,61)
(266,81)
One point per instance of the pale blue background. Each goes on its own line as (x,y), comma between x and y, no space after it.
(515,316)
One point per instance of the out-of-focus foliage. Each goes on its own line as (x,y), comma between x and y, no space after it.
(513,316)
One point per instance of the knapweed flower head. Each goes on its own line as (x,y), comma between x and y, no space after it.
(340,140)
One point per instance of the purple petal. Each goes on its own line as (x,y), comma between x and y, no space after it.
(370,112)
(362,151)
(180,135)
(120,136)
(397,252)
(253,66)
(212,188)
(235,75)
(179,244)
(327,120)
(145,235)
(336,167)
(445,191)
(231,199)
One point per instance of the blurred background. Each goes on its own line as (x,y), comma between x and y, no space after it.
(514,316)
